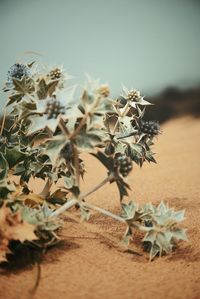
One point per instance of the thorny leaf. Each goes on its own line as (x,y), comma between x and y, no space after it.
(71,184)
(40,217)
(54,146)
(164,230)
(88,140)
(14,155)
(122,187)
(130,212)
(46,89)
(23,86)
(39,123)
(14,98)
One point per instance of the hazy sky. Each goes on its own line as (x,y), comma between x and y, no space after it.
(146,44)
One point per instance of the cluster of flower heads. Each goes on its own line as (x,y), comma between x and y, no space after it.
(47,105)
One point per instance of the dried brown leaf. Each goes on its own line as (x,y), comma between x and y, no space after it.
(12,227)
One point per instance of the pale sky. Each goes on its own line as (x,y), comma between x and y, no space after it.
(144,44)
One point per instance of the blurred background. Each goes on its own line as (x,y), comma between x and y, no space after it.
(151,45)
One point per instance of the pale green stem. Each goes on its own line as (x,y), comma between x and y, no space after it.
(64,207)
(103,211)
(106,180)
(141,227)
(116,217)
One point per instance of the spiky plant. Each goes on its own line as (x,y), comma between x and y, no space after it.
(53,123)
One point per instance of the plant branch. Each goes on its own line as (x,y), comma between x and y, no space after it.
(64,207)
(84,119)
(116,217)
(98,186)
(63,127)
(81,124)
(141,227)
(72,202)
(127,135)
(103,211)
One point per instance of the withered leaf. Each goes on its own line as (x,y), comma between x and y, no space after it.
(12,227)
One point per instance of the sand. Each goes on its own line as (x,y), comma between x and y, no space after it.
(88,265)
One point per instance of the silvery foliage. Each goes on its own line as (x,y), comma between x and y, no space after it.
(54,122)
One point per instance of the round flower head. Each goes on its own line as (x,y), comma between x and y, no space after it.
(54,108)
(123,164)
(134,97)
(17,71)
(50,110)
(150,128)
(55,74)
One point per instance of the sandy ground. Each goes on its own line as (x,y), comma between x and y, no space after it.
(87,265)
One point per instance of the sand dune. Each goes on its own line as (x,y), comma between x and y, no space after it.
(87,265)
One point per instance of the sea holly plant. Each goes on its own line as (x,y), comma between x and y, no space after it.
(51,124)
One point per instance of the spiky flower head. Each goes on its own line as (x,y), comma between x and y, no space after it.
(55,74)
(18,71)
(123,164)
(54,108)
(133,95)
(151,128)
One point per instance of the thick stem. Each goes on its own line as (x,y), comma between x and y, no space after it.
(64,207)
(106,180)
